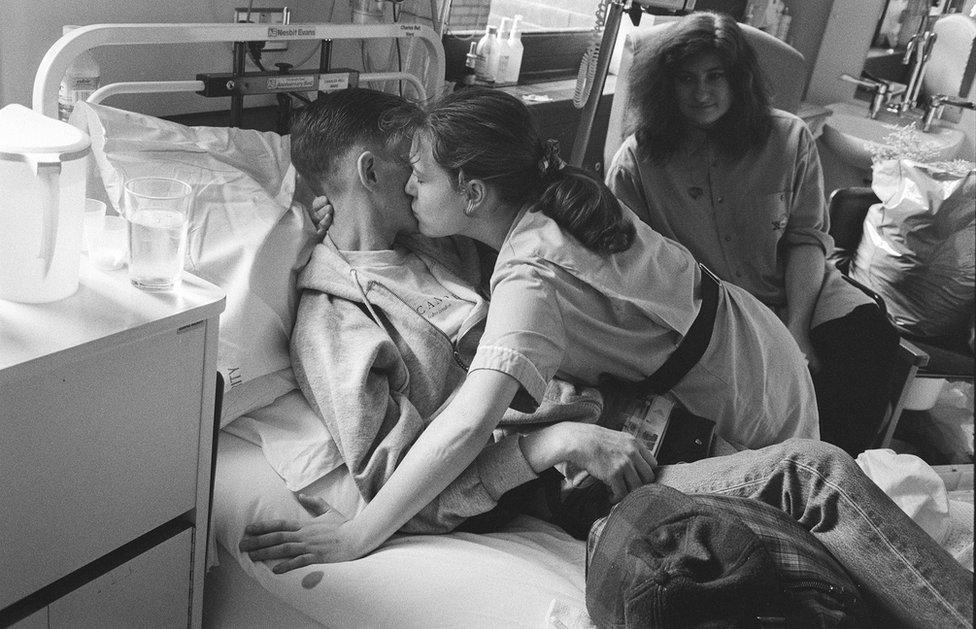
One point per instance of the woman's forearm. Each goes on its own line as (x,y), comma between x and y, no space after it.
(445,448)
(803,277)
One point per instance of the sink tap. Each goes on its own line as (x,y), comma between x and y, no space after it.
(917,54)
(880,90)
(935,105)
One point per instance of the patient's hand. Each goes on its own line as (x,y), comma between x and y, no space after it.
(617,458)
(329,538)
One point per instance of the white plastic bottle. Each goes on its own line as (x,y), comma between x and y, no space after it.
(468,75)
(80,79)
(486,45)
(515,49)
(498,64)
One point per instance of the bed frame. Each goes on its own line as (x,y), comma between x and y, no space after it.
(60,55)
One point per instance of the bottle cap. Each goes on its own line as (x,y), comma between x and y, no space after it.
(515,33)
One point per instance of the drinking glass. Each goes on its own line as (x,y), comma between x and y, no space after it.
(108,245)
(157,210)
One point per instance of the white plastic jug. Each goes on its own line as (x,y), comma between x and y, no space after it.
(42,198)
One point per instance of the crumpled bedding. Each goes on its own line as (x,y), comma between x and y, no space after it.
(941,504)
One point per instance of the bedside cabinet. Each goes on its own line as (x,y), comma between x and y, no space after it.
(106,412)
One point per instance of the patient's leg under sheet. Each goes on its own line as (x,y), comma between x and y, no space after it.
(899,566)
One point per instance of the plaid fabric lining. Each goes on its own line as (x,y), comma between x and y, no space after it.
(803,564)
(799,556)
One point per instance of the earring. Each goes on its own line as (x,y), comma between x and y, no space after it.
(469,211)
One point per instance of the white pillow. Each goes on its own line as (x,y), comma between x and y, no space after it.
(246,234)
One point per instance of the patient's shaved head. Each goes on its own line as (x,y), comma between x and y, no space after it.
(323,132)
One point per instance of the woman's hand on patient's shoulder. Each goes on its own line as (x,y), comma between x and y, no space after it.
(617,458)
(329,538)
(322,213)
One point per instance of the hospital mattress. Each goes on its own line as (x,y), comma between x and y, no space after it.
(508,579)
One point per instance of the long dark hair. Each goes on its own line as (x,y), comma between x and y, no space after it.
(490,135)
(659,126)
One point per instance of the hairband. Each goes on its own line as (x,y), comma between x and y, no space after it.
(551,163)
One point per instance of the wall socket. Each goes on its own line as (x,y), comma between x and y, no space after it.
(266,15)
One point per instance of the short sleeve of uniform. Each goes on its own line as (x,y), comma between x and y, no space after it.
(524,335)
(624,180)
(808,223)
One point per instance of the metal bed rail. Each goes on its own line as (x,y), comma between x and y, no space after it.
(60,55)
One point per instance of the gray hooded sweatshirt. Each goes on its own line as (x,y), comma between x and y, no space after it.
(376,372)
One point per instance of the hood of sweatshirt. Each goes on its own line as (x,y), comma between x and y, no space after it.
(328,271)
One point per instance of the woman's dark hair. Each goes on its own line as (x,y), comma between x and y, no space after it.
(490,135)
(658,124)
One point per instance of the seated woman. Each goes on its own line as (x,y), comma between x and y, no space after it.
(571,294)
(711,165)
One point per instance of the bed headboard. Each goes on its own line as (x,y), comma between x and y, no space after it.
(60,55)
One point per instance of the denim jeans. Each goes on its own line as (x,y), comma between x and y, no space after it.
(899,567)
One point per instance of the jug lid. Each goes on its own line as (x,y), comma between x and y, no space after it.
(23,130)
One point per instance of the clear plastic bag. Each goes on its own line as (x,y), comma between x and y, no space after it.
(917,248)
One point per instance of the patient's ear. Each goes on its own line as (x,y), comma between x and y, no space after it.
(366,168)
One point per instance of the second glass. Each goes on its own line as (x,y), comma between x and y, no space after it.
(158,211)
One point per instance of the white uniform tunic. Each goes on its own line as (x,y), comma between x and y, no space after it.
(558,308)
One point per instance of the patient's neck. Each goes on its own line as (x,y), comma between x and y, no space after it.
(359,225)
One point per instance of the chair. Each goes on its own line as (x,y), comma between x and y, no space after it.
(917,358)
(782,65)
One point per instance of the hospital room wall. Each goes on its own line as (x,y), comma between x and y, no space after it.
(29,27)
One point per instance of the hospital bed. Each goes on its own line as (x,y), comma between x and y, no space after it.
(250,234)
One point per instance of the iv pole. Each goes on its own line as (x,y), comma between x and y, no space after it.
(609,40)
(616,9)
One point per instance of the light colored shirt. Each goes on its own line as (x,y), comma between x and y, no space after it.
(739,217)
(448,305)
(558,308)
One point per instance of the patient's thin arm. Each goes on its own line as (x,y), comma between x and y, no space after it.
(445,448)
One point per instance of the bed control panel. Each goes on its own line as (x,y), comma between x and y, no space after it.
(282,81)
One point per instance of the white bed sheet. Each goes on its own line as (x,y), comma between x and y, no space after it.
(506,579)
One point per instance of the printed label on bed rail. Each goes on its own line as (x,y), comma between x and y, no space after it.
(409,30)
(293,82)
(278,32)
(332,82)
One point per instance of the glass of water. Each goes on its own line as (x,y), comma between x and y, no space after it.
(158,211)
